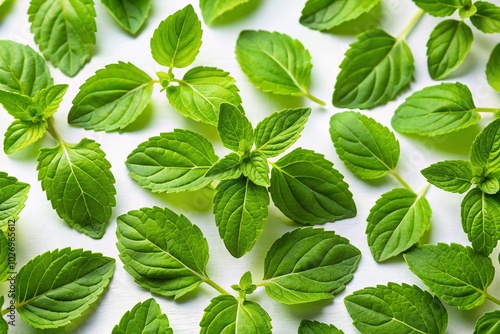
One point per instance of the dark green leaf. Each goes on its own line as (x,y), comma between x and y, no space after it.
(493,68)
(489,323)
(7,267)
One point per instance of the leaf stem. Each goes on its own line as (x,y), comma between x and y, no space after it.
(215,286)
(493,299)
(53,132)
(5,311)
(486,109)
(400,179)
(406,31)
(315,99)
(423,191)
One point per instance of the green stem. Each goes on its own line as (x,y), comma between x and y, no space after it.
(4,312)
(400,179)
(52,130)
(315,99)
(486,109)
(423,191)
(493,299)
(215,286)
(402,36)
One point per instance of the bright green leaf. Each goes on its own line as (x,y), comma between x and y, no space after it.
(451,175)
(485,150)
(315,327)
(215,9)
(130,14)
(493,68)
(487,17)
(5,265)
(145,317)
(20,106)
(467,12)
(256,168)
(235,130)
(4,327)
(489,185)
(489,323)
(439,7)
(21,134)
(48,99)
(226,168)
(13,194)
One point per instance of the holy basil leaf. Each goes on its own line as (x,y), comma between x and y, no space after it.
(226,314)
(145,317)
(376,68)
(308,265)
(13,195)
(164,252)
(130,14)
(308,190)
(447,47)
(215,9)
(200,93)
(21,134)
(436,110)
(327,14)
(64,31)
(451,175)
(43,284)
(112,98)
(485,150)
(439,7)
(489,323)
(235,130)
(172,162)
(256,167)
(226,168)
(5,265)
(396,309)
(22,69)
(240,209)
(78,182)
(280,130)
(177,40)
(493,68)
(397,222)
(487,17)
(315,327)
(456,274)
(367,148)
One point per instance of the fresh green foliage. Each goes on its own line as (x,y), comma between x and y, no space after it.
(489,323)
(213,10)
(235,130)
(493,68)
(42,286)
(441,7)
(145,317)
(22,134)
(485,151)
(451,175)
(487,17)
(256,168)
(130,14)
(5,269)
(308,265)
(13,194)
(396,309)
(456,274)
(246,287)
(4,327)
(227,168)
(315,327)
(64,31)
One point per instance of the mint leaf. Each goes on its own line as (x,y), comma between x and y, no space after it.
(64,31)
(308,190)
(489,323)
(376,68)
(112,98)
(367,148)
(315,327)
(43,284)
(13,194)
(235,130)
(256,168)
(5,265)
(436,110)
(397,222)
(145,317)
(485,150)
(48,99)
(22,69)
(447,47)
(451,175)
(240,209)
(130,14)
(439,7)
(177,40)
(493,68)
(456,274)
(226,314)
(212,10)
(308,265)
(4,326)
(21,134)
(327,14)
(200,93)
(226,168)
(487,17)
(280,130)
(164,252)
(396,309)
(79,184)
(172,162)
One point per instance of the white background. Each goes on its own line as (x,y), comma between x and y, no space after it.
(40,229)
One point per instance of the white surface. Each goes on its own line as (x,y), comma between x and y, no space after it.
(40,229)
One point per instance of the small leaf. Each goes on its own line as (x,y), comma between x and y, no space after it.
(436,110)
(367,148)
(46,280)
(493,68)
(48,99)
(315,327)
(130,14)
(20,106)
(21,134)
(6,269)
(145,317)
(212,10)
(164,252)
(439,7)
(489,185)
(487,17)
(308,265)
(177,40)
(485,150)
(489,323)
(13,194)
(396,309)
(308,190)
(235,130)
(376,68)
(256,168)
(227,168)
(451,175)
(456,274)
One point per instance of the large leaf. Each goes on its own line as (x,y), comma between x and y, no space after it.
(451,175)
(145,317)
(439,7)
(22,134)
(376,68)
(487,17)
(315,327)
(78,182)
(164,252)
(13,194)
(308,265)
(489,323)
(64,31)
(493,68)
(235,130)
(215,9)
(130,14)
(485,150)
(56,287)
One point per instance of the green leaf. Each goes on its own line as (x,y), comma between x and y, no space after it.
(256,168)
(376,68)
(308,190)
(200,93)
(397,222)
(64,31)
(280,130)
(6,267)
(164,252)
(367,148)
(485,150)
(172,162)
(451,175)
(235,130)
(493,68)
(145,317)
(447,47)
(22,69)
(489,323)
(436,110)
(177,40)
(439,7)
(211,10)
(240,209)
(57,287)
(489,185)
(227,168)
(4,327)
(79,184)
(396,309)
(327,14)
(487,17)
(130,14)
(21,134)
(13,194)
(112,98)
(456,274)
(308,265)
(315,327)
(226,314)
(48,99)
